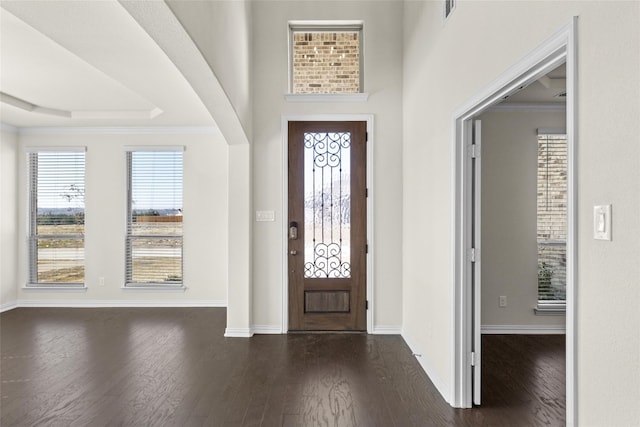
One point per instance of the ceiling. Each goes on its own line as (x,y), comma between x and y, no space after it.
(88,63)
(545,90)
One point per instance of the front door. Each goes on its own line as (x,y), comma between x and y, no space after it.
(327,226)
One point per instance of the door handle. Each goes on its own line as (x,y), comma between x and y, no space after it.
(293,252)
(293,230)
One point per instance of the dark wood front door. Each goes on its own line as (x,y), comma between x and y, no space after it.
(327,226)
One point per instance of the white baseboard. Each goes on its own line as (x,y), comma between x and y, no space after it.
(523,329)
(421,357)
(266,329)
(386,330)
(238,333)
(276,330)
(120,303)
(8,306)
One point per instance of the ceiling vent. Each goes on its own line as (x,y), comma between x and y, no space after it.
(449,6)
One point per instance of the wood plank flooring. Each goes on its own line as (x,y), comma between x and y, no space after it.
(173,367)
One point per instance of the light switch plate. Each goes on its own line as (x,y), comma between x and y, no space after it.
(602,222)
(262,216)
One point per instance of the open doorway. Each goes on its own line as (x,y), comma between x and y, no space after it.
(467,349)
(523,221)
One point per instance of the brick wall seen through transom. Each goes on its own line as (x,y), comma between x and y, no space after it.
(326,62)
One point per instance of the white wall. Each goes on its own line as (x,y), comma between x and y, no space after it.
(8,217)
(509,223)
(222,31)
(205,254)
(383,81)
(444,66)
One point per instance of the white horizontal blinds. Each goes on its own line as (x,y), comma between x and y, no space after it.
(56,243)
(552,217)
(154,217)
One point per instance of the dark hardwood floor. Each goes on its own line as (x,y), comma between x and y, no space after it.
(173,367)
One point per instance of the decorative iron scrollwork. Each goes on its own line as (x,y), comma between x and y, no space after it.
(327,204)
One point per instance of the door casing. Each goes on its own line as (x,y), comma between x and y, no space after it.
(368,118)
(560,48)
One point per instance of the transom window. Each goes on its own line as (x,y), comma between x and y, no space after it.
(552,220)
(154,217)
(325,58)
(56,217)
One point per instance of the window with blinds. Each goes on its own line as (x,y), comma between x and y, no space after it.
(552,218)
(154,217)
(56,217)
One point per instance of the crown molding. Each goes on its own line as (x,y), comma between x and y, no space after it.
(327,97)
(160,130)
(30,107)
(8,128)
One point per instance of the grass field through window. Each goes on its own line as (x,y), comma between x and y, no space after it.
(155,259)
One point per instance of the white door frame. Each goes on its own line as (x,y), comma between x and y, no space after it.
(286,118)
(558,49)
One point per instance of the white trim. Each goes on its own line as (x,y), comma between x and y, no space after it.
(572,223)
(421,357)
(30,107)
(528,107)
(523,329)
(238,333)
(369,118)
(550,308)
(55,288)
(325,25)
(172,130)
(266,329)
(8,128)
(559,48)
(476,257)
(154,288)
(8,306)
(387,330)
(120,303)
(56,149)
(132,148)
(327,97)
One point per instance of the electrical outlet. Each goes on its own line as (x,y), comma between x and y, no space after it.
(101,281)
(503,301)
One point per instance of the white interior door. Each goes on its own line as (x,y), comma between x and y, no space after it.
(475,259)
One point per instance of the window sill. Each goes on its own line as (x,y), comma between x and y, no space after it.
(154,288)
(550,310)
(327,97)
(55,288)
